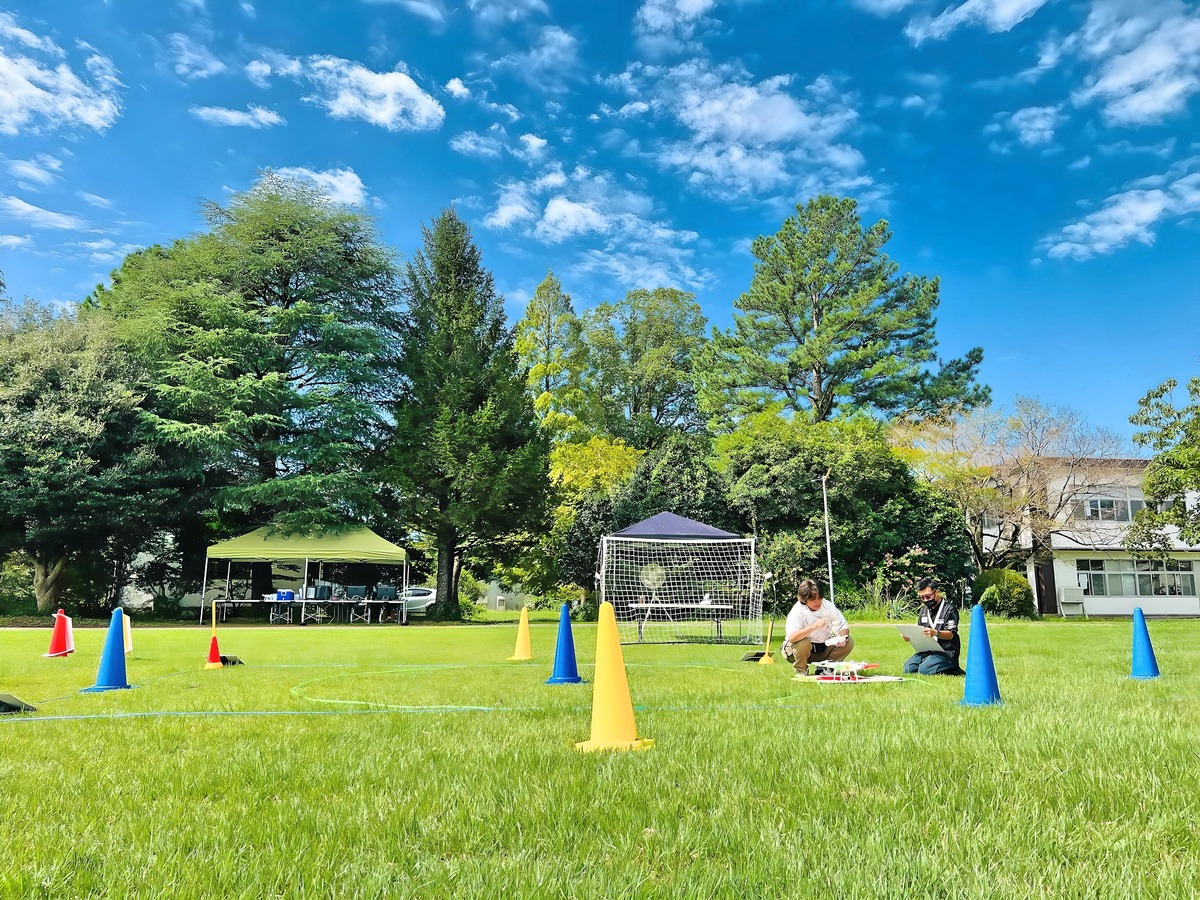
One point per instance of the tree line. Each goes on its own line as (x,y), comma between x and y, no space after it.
(285,367)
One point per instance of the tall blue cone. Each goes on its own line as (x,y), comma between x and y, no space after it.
(980,688)
(565,670)
(1144,663)
(111,676)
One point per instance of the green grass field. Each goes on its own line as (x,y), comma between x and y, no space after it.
(406,762)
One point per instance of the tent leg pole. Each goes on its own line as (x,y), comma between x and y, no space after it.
(203,588)
(304,591)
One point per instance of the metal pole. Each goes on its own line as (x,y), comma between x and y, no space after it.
(203,587)
(828,543)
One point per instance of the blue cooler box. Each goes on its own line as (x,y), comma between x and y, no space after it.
(285,596)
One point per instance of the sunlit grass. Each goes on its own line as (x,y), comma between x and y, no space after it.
(336,769)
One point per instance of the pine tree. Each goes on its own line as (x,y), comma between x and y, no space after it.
(469,460)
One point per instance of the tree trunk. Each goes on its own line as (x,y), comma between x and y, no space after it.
(49,581)
(446,608)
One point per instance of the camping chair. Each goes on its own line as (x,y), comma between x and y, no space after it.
(360,611)
(316,609)
(385,594)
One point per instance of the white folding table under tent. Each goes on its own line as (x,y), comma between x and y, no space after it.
(266,544)
(676,580)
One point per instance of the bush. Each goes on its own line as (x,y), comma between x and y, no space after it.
(16,586)
(1006,593)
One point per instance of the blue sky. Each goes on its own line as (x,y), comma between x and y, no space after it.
(1042,157)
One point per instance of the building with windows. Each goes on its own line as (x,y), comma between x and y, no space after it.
(1089,569)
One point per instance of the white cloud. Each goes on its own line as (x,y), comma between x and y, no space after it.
(995,15)
(471,143)
(456,88)
(669,26)
(563,218)
(1082,163)
(532,148)
(513,207)
(194,60)
(342,185)
(95,200)
(603,227)
(13,241)
(1035,125)
(38,217)
(748,138)
(496,12)
(14,33)
(248,10)
(253,117)
(505,109)
(41,171)
(550,63)
(431,10)
(1131,215)
(36,95)
(391,100)
(259,72)
(882,7)
(1146,59)
(107,251)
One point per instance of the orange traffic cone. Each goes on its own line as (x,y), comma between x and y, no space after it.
(62,641)
(522,650)
(613,727)
(214,655)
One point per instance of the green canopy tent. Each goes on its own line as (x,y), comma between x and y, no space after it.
(268,545)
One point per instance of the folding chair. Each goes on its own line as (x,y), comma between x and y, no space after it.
(360,611)
(385,596)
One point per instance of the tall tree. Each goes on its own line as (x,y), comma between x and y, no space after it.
(549,344)
(641,351)
(270,339)
(467,453)
(82,474)
(1016,476)
(877,509)
(828,324)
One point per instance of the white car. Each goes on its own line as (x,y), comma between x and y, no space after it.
(419,599)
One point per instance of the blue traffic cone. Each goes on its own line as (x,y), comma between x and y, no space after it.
(1144,663)
(111,676)
(565,670)
(980,688)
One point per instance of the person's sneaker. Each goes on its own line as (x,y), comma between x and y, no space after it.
(802,676)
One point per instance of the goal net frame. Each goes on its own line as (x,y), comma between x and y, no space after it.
(673,590)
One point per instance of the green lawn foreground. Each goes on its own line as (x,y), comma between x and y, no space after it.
(1083,784)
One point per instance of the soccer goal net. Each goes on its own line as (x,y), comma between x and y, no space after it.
(666,591)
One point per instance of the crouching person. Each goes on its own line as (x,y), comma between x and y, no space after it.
(939,619)
(816,630)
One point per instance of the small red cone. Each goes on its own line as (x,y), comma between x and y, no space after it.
(62,641)
(214,655)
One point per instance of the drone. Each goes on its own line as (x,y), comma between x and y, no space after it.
(848,672)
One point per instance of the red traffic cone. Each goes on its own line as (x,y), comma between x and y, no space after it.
(62,641)
(214,655)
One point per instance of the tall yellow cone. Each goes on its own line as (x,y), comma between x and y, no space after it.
(613,727)
(522,650)
(766,657)
(128,634)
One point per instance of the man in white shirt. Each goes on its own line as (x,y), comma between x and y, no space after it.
(816,630)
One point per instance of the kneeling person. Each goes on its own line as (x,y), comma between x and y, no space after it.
(939,618)
(816,630)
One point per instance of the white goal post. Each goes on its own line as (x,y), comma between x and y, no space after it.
(668,590)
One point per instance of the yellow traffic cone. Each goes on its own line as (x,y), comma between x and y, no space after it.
(522,650)
(613,727)
(766,657)
(128,634)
